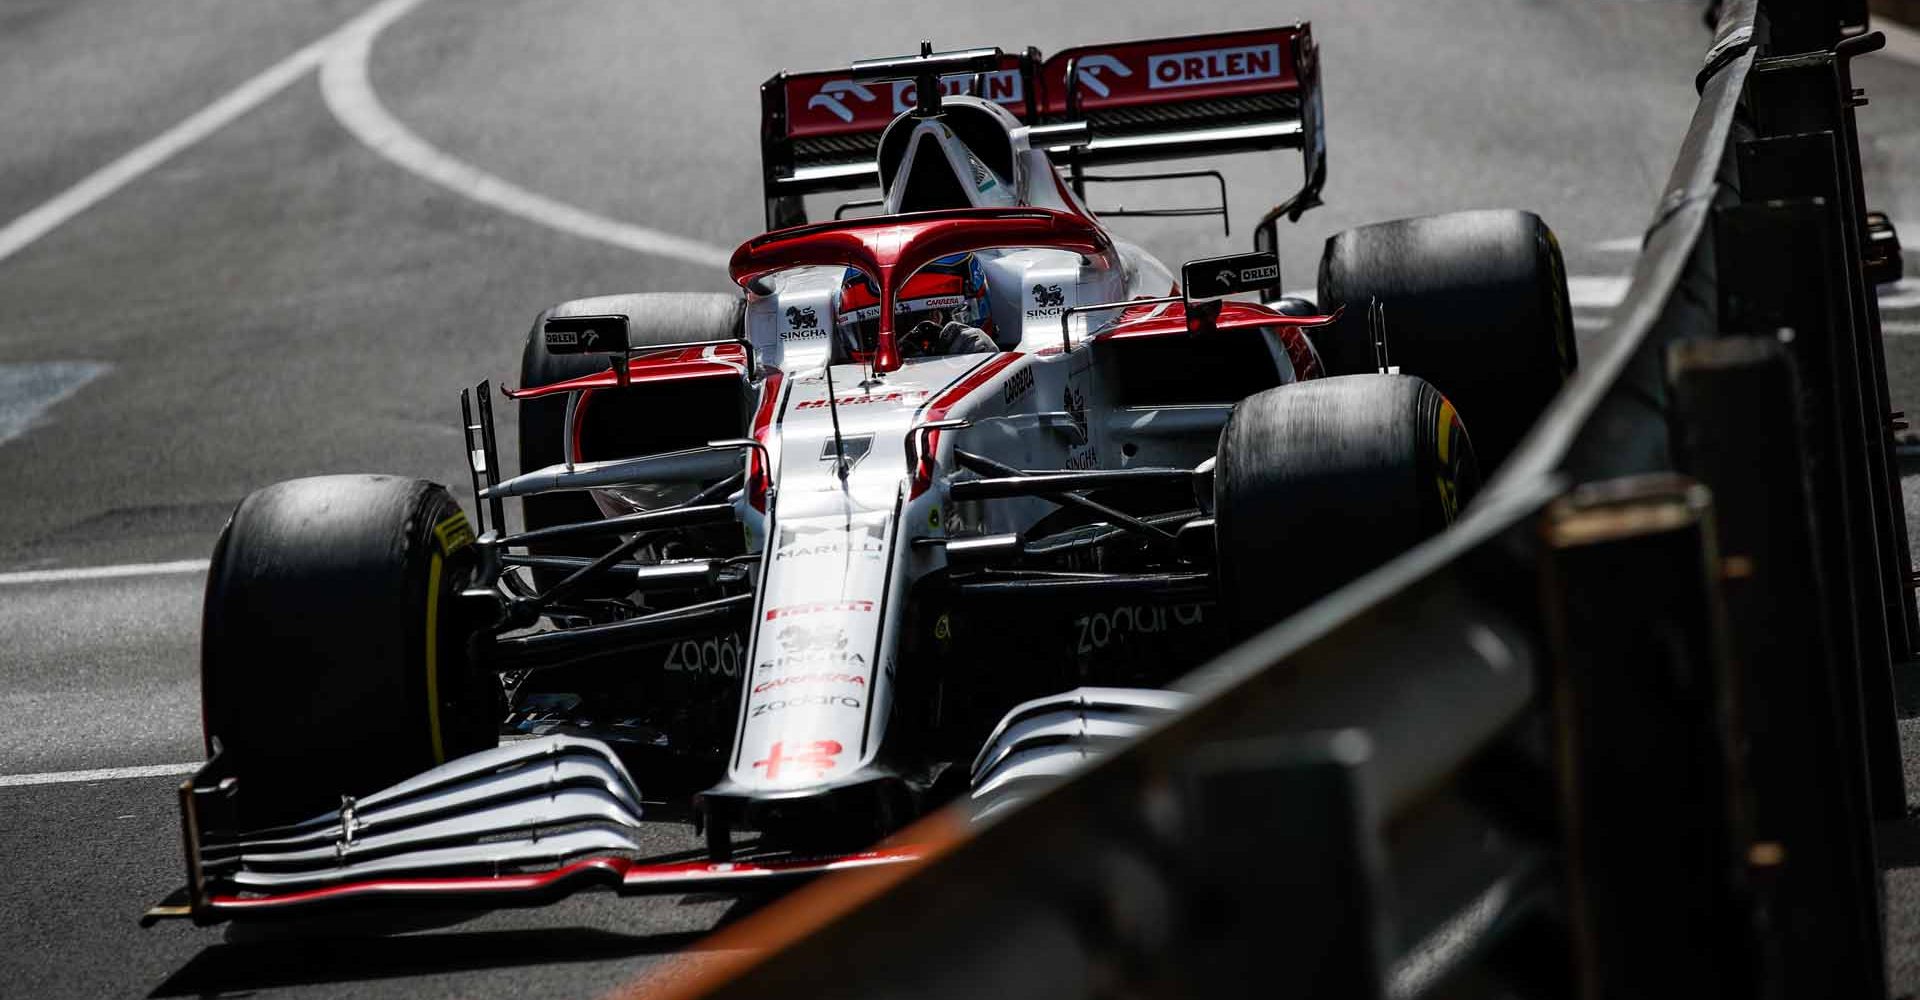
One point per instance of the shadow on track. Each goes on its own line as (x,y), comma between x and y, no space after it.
(236,967)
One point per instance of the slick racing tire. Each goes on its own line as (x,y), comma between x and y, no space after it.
(653,318)
(1474,302)
(333,656)
(1317,482)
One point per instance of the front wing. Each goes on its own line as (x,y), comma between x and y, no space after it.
(521,825)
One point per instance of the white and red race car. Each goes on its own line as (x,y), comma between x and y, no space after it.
(932,508)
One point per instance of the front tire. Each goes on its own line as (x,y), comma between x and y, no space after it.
(1474,302)
(1315,483)
(334,658)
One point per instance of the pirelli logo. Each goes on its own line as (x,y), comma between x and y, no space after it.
(454,534)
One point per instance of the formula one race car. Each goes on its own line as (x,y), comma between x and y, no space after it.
(929,510)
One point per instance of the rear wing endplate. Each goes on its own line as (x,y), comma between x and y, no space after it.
(1143,101)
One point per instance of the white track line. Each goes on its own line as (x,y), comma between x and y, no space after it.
(103,182)
(349,94)
(103,572)
(1623,244)
(97,774)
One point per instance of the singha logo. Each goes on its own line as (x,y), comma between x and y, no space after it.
(800,640)
(802,319)
(1048,296)
(1076,405)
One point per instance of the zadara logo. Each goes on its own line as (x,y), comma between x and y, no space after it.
(831,93)
(818,608)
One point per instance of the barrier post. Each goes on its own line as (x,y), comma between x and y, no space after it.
(1645,710)
(1778,272)
(1738,429)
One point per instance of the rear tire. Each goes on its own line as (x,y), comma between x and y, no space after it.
(1475,302)
(1315,483)
(334,657)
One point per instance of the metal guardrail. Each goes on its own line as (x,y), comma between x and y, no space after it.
(1622,731)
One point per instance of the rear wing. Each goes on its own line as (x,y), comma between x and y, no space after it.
(1159,99)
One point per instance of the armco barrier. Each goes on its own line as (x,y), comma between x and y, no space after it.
(1620,732)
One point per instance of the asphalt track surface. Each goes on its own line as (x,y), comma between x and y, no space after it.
(273,298)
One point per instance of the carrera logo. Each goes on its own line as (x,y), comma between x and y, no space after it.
(818,608)
(779,682)
(831,97)
(1193,69)
(1018,385)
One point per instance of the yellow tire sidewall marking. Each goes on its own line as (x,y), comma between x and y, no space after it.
(1447,481)
(433,658)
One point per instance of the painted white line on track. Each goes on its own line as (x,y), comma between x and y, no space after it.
(97,774)
(103,572)
(1586,292)
(349,94)
(1902,294)
(32,388)
(95,188)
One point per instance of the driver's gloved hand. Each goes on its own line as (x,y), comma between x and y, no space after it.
(927,340)
(963,339)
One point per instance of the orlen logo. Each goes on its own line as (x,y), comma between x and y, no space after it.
(1090,68)
(1002,85)
(831,93)
(1248,276)
(1192,69)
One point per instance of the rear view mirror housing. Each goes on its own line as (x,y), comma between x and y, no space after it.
(1219,277)
(586,335)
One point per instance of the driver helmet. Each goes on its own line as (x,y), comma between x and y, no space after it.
(951,289)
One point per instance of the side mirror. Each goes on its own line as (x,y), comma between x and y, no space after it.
(586,335)
(1206,282)
(590,335)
